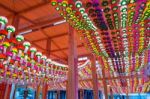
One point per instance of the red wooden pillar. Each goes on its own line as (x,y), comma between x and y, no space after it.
(72,90)
(104,80)
(81,94)
(7,91)
(94,77)
(2,90)
(111,93)
(58,94)
(38,91)
(44,91)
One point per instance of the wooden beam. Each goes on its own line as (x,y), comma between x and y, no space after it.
(8,9)
(56,50)
(15,23)
(59,48)
(59,35)
(81,93)
(51,37)
(30,9)
(48,47)
(94,77)
(44,91)
(23,17)
(38,91)
(111,93)
(7,91)
(46,1)
(72,84)
(104,80)
(43,32)
(58,94)
(34,23)
(41,24)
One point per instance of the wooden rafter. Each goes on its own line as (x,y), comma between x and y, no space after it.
(52,37)
(41,24)
(8,9)
(33,8)
(34,23)
(78,46)
(48,47)
(59,48)
(23,17)
(43,32)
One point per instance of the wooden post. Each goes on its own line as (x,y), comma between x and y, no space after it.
(58,94)
(104,84)
(45,87)
(15,23)
(72,92)
(38,92)
(111,93)
(94,77)
(48,47)
(104,79)
(44,91)
(81,94)
(7,91)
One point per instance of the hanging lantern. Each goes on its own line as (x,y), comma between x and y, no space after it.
(10,29)
(26,45)
(14,51)
(85,15)
(44,59)
(82,10)
(33,51)
(78,4)
(53,2)
(3,21)
(39,54)
(19,38)
(5,45)
(3,32)
(64,3)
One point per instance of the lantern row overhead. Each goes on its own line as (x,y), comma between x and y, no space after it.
(105,42)
(78,19)
(120,30)
(21,63)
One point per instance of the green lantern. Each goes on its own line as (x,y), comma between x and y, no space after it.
(82,10)
(85,15)
(78,4)
(19,38)
(53,3)
(124,2)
